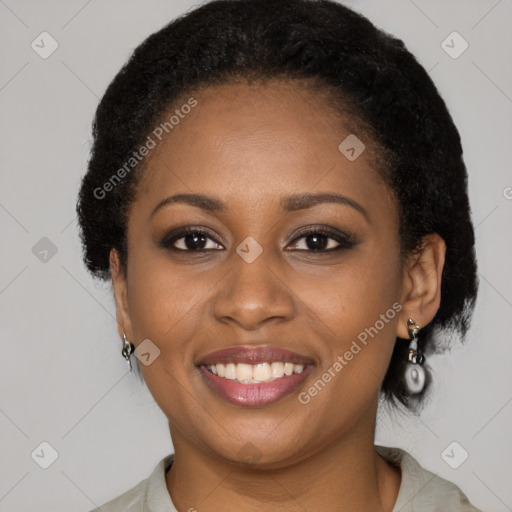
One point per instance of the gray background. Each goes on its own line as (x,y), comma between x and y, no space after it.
(63,379)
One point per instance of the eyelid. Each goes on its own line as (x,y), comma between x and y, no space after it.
(324,230)
(342,238)
(176,234)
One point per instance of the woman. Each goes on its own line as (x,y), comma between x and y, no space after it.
(277,192)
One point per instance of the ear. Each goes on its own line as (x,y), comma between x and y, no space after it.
(421,285)
(119,285)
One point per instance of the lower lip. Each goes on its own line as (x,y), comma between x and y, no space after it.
(254,395)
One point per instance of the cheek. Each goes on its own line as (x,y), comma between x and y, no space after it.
(169,305)
(164,307)
(348,298)
(355,309)
(161,297)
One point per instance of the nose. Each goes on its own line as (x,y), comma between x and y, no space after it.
(254,294)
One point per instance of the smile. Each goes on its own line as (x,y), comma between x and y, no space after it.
(254,376)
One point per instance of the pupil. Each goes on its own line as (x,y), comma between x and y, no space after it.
(319,242)
(197,238)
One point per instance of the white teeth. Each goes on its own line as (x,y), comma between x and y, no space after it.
(261,372)
(288,368)
(230,371)
(252,374)
(277,370)
(243,372)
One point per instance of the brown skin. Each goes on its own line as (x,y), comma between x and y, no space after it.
(250,146)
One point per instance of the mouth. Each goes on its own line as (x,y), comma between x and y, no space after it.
(254,376)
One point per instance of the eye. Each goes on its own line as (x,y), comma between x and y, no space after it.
(318,240)
(190,239)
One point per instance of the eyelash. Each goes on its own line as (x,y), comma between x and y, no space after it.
(345,241)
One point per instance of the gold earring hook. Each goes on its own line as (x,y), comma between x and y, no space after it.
(413,328)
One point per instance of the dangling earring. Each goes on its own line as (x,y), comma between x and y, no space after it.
(127,351)
(414,372)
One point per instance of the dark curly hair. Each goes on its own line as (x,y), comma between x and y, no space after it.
(366,72)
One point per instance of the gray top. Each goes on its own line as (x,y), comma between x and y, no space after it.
(420,490)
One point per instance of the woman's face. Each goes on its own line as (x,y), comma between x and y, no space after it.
(260,155)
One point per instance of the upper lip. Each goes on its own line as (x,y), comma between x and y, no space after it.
(254,355)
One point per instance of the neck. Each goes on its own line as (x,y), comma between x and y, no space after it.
(345,474)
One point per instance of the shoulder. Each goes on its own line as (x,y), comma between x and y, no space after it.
(422,490)
(148,495)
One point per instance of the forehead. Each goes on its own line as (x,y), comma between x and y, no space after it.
(243,142)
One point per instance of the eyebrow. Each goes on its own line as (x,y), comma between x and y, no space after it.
(287,204)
